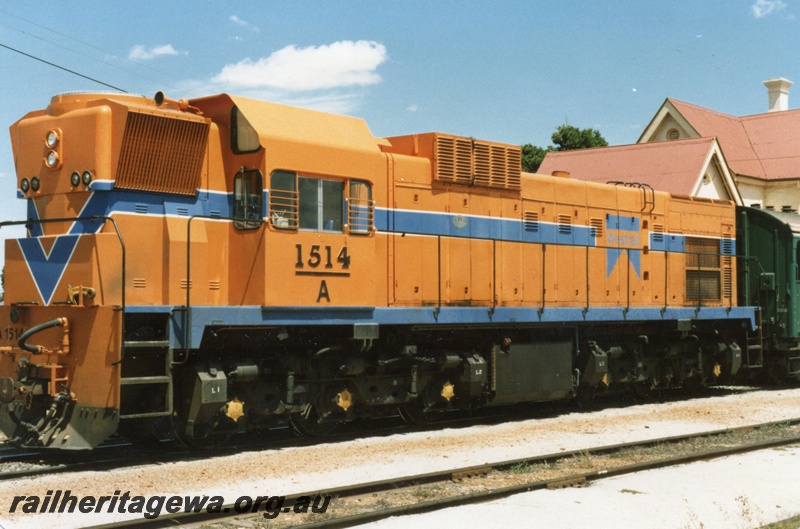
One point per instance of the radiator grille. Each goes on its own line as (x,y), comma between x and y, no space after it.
(702,285)
(703,270)
(161,154)
(478,163)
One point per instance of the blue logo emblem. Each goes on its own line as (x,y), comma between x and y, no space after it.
(623,236)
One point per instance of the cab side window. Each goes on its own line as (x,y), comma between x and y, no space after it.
(247,199)
(360,209)
(321,204)
(283,200)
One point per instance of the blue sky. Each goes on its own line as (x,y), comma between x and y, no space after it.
(503,70)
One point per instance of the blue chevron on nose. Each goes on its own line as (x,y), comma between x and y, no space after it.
(47,269)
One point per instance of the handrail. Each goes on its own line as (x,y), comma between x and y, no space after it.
(644,188)
(188,319)
(439,276)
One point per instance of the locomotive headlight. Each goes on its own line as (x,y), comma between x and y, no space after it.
(25,185)
(75,179)
(35,183)
(52,159)
(87,178)
(52,138)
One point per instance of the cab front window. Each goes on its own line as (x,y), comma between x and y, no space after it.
(247,199)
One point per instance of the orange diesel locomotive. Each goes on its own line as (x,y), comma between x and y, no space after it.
(215,265)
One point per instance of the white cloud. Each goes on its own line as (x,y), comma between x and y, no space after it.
(763,8)
(292,69)
(412,108)
(139,52)
(243,23)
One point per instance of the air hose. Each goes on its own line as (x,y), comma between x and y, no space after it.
(39,349)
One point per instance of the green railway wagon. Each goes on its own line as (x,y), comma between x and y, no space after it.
(768,250)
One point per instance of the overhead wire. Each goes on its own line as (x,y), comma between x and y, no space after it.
(89,45)
(62,68)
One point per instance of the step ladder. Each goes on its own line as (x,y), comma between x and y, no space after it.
(754,350)
(155,358)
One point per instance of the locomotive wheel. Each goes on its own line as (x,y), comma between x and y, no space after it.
(309,424)
(207,440)
(693,386)
(585,398)
(414,413)
(640,391)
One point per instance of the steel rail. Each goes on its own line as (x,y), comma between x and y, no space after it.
(284,438)
(488,495)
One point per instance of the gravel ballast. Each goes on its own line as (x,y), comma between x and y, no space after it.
(294,470)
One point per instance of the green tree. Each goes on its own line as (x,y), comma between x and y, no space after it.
(565,138)
(533,156)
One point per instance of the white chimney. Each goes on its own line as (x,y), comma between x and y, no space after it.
(778,90)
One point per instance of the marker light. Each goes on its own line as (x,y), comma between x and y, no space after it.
(25,185)
(35,183)
(87,178)
(75,179)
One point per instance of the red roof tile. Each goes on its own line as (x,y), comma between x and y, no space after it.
(765,146)
(775,137)
(672,166)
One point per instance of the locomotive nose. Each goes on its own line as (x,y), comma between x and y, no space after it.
(7,391)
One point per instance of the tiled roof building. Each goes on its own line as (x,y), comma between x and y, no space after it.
(692,150)
(686,167)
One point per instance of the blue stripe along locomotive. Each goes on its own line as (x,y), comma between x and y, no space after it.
(210,266)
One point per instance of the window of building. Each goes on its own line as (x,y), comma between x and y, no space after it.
(247,199)
(673,134)
(244,137)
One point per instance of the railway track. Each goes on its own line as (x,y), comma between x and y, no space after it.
(367,502)
(16,463)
